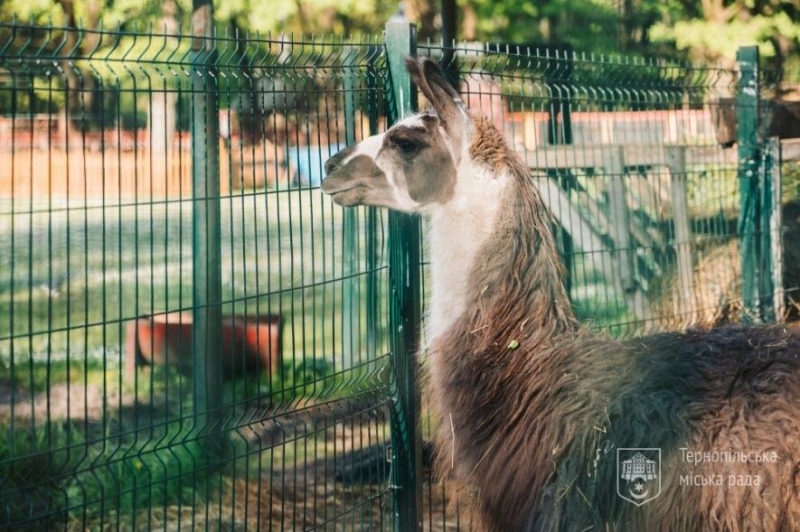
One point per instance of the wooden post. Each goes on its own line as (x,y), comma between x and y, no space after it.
(772,180)
(676,162)
(619,218)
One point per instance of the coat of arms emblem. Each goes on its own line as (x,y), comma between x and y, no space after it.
(638,474)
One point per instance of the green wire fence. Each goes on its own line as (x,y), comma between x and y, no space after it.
(193,337)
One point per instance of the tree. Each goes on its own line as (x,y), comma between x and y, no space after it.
(712,30)
(82,102)
(342,17)
(423,13)
(600,26)
(709,30)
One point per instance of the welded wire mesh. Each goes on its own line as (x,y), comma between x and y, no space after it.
(100,133)
(636,160)
(100,271)
(631,157)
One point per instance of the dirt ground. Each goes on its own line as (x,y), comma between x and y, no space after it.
(293,494)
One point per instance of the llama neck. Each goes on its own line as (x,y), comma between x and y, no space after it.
(458,232)
(496,272)
(499,311)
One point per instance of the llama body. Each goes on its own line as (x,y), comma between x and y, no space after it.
(535,406)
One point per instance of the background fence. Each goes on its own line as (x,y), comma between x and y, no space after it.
(192,336)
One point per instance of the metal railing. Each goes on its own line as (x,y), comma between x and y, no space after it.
(192,336)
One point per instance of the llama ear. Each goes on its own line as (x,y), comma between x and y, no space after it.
(427,75)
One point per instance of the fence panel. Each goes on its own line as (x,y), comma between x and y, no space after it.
(635,161)
(106,267)
(311,417)
(627,156)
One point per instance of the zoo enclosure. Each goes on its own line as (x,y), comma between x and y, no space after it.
(151,185)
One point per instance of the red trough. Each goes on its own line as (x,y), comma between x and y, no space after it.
(250,344)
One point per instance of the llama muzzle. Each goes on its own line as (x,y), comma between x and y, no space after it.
(348,181)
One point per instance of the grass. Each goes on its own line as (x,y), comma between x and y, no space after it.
(790,177)
(66,476)
(147,452)
(88,448)
(76,273)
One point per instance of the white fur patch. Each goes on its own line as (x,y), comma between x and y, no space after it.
(369,147)
(459,229)
(399,187)
(411,121)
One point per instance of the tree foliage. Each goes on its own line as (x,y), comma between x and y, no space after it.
(712,30)
(708,30)
(545,21)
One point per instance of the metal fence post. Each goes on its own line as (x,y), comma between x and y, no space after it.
(404,313)
(351,343)
(747,110)
(373,294)
(206,237)
(558,79)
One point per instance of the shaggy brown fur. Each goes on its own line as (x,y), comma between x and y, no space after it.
(539,405)
(533,407)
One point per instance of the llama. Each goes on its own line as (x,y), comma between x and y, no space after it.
(534,410)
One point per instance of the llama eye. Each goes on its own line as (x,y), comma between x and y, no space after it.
(406,146)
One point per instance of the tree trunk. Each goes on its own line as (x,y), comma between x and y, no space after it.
(423,13)
(469,23)
(163,100)
(247,101)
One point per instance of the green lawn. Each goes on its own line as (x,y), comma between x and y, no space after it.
(74,274)
(93,446)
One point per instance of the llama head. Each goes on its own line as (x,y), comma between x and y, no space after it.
(415,163)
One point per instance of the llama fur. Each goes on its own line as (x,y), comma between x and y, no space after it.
(532,405)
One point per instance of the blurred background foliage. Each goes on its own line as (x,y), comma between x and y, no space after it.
(700,31)
(705,32)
